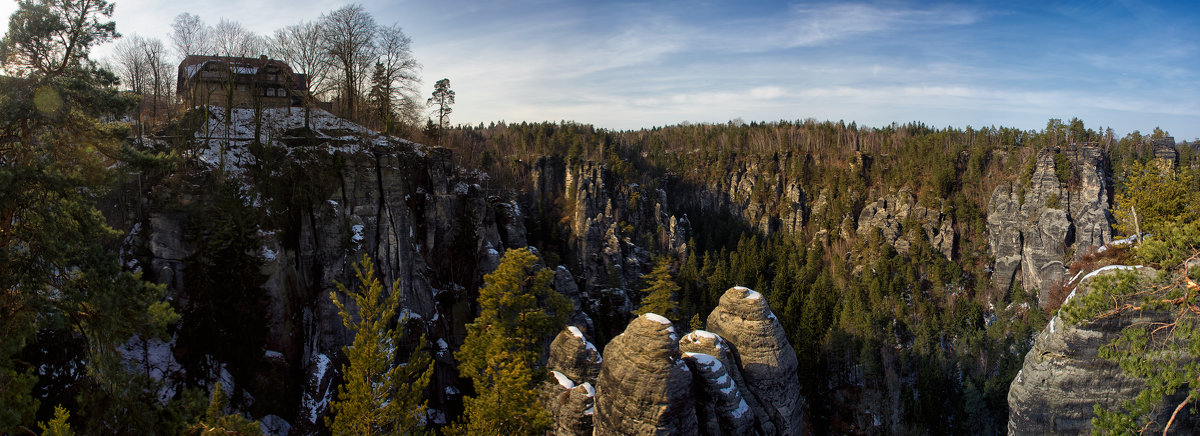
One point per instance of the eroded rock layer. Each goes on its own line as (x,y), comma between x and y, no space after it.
(644,386)
(768,362)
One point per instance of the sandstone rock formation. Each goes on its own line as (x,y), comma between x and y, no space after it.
(571,405)
(574,357)
(768,362)
(644,386)
(709,343)
(1032,227)
(889,214)
(424,222)
(767,203)
(1063,377)
(569,395)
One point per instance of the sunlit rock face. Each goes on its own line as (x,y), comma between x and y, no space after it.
(1033,226)
(768,362)
(644,386)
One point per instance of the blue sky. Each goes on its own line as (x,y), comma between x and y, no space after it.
(1128,65)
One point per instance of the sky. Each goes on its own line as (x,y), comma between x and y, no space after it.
(1125,64)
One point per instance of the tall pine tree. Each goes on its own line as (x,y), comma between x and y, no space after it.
(660,293)
(518,314)
(57,156)
(379,395)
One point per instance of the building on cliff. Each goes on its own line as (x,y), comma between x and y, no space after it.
(239,82)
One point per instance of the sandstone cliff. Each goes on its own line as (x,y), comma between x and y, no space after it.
(1063,376)
(891,213)
(767,360)
(644,385)
(1033,226)
(423,221)
(722,406)
(569,395)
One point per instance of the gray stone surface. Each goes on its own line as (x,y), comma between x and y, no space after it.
(768,362)
(1063,378)
(889,214)
(712,344)
(644,386)
(1032,228)
(720,404)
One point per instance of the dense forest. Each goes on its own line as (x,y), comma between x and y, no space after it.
(908,322)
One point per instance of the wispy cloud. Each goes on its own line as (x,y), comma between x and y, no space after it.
(815,25)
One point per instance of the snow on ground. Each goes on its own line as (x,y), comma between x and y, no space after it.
(579,334)
(437,416)
(274,425)
(1109,268)
(741,409)
(225,145)
(591,391)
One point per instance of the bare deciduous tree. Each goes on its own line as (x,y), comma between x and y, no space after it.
(190,35)
(400,70)
(348,34)
(230,38)
(300,46)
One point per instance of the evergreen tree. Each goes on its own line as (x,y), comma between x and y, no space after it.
(57,426)
(1160,195)
(217,421)
(225,319)
(378,396)
(381,97)
(442,99)
(58,157)
(519,313)
(660,292)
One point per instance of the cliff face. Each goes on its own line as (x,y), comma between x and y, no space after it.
(890,214)
(644,385)
(755,195)
(570,394)
(1032,227)
(768,361)
(1063,376)
(613,229)
(424,223)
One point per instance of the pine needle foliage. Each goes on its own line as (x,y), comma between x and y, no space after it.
(378,395)
(217,421)
(1163,353)
(660,293)
(518,314)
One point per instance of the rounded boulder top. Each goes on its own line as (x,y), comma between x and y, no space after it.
(745,302)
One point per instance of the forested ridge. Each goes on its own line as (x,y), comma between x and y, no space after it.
(160,278)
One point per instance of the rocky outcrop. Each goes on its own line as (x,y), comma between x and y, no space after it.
(889,215)
(1033,225)
(569,395)
(1063,377)
(1164,149)
(337,191)
(760,199)
(767,360)
(721,406)
(574,357)
(644,386)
